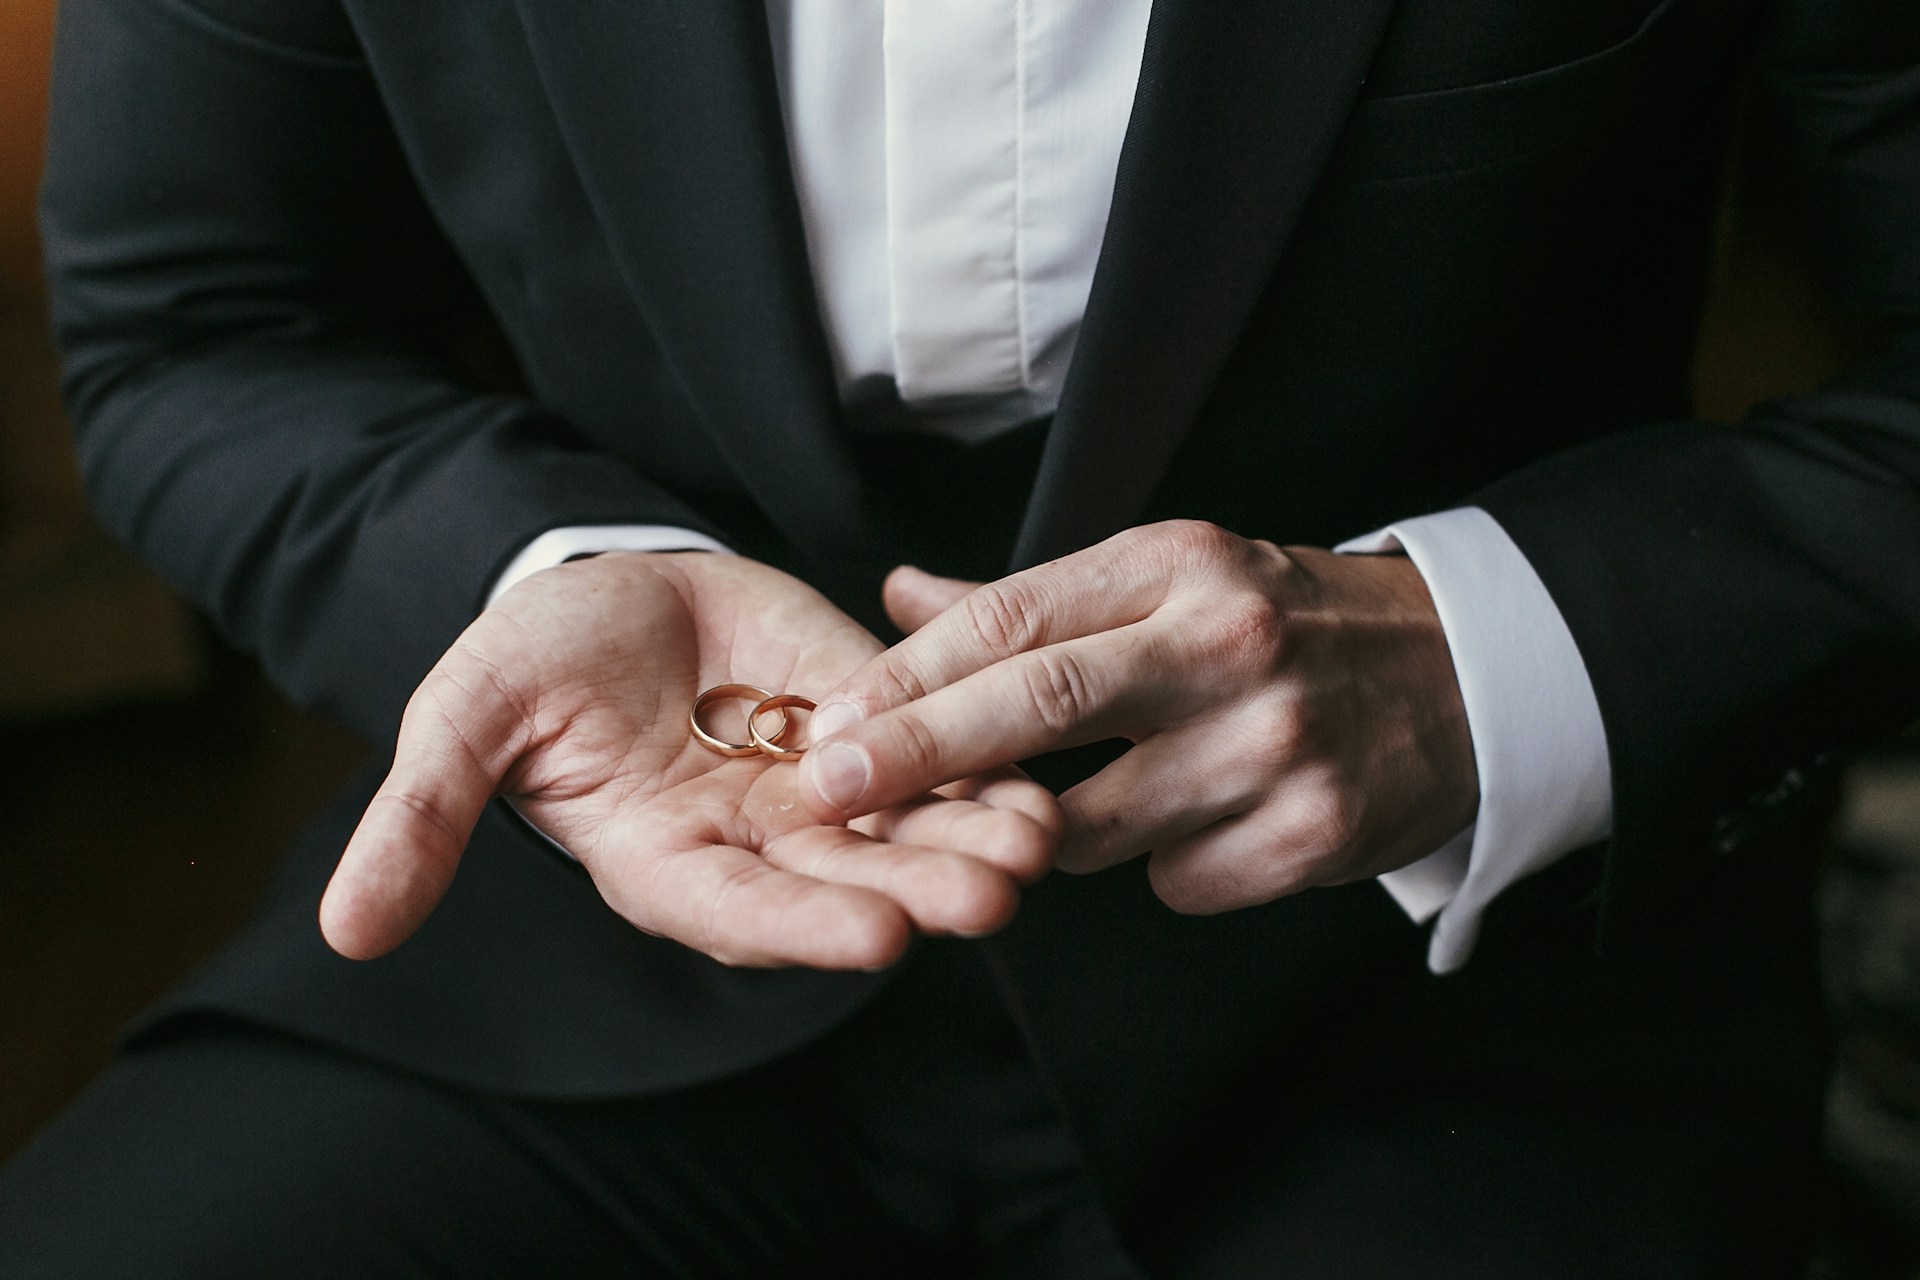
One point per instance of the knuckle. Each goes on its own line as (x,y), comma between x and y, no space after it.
(1143,539)
(1276,735)
(998,616)
(914,746)
(1323,821)
(1059,689)
(1189,541)
(420,811)
(892,684)
(1246,627)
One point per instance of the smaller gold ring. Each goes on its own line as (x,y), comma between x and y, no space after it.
(725,748)
(770,746)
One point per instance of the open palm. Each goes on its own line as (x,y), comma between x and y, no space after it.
(571,694)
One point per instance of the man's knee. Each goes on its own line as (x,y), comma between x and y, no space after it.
(228,1151)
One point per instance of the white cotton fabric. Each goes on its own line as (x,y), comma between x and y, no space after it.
(955,164)
(1546,787)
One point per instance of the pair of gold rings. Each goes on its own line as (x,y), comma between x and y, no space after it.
(762,744)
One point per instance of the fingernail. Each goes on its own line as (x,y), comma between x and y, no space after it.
(831,719)
(841,773)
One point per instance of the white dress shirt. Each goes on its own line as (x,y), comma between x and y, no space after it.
(955,163)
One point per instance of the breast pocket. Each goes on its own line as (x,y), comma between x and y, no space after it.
(1413,135)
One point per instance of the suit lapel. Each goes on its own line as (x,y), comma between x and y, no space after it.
(672,115)
(1238,105)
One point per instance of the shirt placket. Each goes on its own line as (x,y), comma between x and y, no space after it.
(953,71)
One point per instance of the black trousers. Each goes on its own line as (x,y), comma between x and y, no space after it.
(916,1140)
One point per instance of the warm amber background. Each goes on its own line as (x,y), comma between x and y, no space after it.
(79,626)
(25,29)
(147,775)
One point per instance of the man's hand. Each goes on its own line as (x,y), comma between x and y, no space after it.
(571,693)
(1295,714)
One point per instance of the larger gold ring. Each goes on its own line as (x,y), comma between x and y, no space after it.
(770,746)
(725,748)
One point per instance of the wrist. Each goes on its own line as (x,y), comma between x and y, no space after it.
(573,542)
(1387,634)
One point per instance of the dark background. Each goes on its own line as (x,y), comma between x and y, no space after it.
(150,775)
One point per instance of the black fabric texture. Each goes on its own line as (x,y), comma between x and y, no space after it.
(916,1140)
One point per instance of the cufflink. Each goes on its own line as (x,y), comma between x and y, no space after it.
(1790,795)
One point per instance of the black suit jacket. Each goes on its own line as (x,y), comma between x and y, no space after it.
(1365,259)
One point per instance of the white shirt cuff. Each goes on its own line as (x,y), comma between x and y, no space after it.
(1546,788)
(558,545)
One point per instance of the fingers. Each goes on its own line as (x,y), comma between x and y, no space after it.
(1095,590)
(461,732)
(1161,791)
(1010,788)
(941,891)
(1300,839)
(1063,695)
(1018,844)
(741,909)
(913,597)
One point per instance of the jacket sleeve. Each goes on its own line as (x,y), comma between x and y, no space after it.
(250,298)
(1746,597)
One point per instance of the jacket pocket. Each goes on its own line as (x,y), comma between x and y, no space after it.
(1413,135)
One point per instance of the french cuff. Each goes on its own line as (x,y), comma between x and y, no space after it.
(1546,788)
(556,546)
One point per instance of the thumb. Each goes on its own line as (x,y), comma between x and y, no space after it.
(913,597)
(452,752)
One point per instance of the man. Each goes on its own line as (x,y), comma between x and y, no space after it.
(803,293)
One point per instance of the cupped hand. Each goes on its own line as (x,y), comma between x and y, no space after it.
(570,694)
(1295,713)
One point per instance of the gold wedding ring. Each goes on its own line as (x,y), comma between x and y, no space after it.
(769,746)
(722,692)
